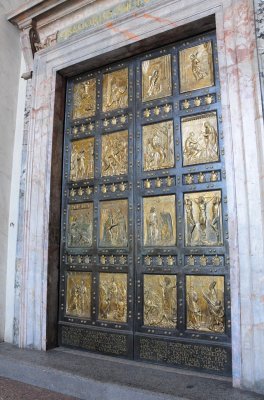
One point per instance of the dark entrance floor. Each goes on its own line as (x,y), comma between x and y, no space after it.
(95,377)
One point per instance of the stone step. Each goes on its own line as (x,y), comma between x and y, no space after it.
(96,377)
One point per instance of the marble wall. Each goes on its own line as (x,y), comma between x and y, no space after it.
(10,62)
(259,15)
(244,151)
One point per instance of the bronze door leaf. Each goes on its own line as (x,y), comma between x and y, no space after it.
(144,271)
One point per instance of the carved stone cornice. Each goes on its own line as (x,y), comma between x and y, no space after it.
(40,10)
(33,16)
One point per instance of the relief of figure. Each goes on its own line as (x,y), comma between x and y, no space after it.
(114,224)
(203,219)
(82,160)
(115,90)
(215,309)
(210,142)
(200,139)
(201,147)
(152,227)
(159,221)
(191,147)
(112,297)
(160,301)
(191,224)
(194,310)
(79,295)
(168,302)
(216,222)
(115,154)
(197,71)
(154,83)
(196,67)
(115,94)
(104,302)
(156,78)
(159,227)
(158,146)
(80,227)
(151,307)
(84,99)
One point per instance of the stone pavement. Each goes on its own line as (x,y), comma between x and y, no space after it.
(95,377)
(14,390)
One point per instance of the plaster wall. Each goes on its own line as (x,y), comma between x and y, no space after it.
(10,60)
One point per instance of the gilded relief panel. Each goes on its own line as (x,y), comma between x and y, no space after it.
(200,139)
(156,78)
(158,146)
(84,99)
(203,218)
(114,154)
(78,297)
(196,67)
(160,301)
(80,225)
(159,216)
(115,90)
(205,303)
(82,160)
(113,297)
(114,223)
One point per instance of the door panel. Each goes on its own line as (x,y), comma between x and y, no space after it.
(144,250)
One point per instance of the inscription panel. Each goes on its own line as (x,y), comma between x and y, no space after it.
(209,358)
(103,342)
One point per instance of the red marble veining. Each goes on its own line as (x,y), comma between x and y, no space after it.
(163,21)
(126,33)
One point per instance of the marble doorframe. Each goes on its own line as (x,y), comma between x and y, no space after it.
(244,153)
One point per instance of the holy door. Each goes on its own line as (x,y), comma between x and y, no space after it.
(144,252)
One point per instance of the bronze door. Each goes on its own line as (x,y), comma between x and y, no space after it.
(144,252)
